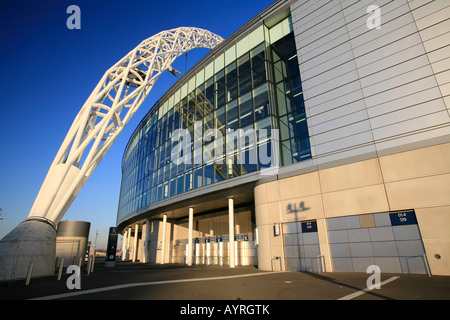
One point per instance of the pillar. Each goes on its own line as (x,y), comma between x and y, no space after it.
(124,244)
(191,226)
(146,240)
(127,257)
(231,232)
(136,233)
(163,249)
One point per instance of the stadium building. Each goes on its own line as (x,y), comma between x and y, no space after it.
(314,138)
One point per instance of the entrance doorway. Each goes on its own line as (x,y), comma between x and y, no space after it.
(211,240)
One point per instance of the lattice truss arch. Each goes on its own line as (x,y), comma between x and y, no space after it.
(108,109)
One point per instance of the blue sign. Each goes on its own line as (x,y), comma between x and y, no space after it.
(403,217)
(309,226)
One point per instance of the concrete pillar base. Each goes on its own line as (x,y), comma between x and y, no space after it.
(31,240)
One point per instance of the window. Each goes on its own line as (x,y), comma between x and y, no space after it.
(208,122)
(258,65)
(231,80)
(237,93)
(220,88)
(232,115)
(172,187)
(244,72)
(292,122)
(220,119)
(188,181)
(159,192)
(220,171)
(198,178)
(165,190)
(208,174)
(245,109)
(247,151)
(180,184)
(261,102)
(209,90)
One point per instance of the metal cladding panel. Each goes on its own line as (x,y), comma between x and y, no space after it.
(73,229)
(372,91)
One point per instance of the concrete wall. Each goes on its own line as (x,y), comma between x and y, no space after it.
(417,179)
(71,241)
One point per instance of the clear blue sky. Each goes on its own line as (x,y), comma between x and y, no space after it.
(48,72)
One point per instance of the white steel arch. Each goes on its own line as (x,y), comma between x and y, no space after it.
(108,109)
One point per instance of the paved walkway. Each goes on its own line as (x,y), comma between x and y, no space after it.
(136,281)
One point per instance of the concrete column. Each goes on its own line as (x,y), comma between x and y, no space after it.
(231,232)
(128,244)
(136,232)
(190,246)
(124,245)
(324,244)
(147,237)
(163,249)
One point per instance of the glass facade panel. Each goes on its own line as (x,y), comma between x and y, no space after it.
(237,96)
(220,119)
(220,88)
(244,73)
(208,174)
(261,101)
(246,110)
(232,115)
(292,122)
(231,82)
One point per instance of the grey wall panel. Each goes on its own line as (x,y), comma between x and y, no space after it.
(394,248)
(372,91)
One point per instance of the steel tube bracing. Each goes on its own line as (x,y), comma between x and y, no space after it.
(108,109)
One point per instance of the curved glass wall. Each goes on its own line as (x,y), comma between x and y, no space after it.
(253,85)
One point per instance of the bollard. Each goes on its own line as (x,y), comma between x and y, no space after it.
(61,265)
(56,262)
(80,262)
(278,259)
(320,264)
(427,266)
(88,266)
(30,270)
(92,264)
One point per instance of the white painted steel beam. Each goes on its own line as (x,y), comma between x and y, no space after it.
(146,241)
(108,109)
(190,234)
(163,249)
(136,241)
(231,248)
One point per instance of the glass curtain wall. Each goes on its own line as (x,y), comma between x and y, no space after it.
(294,136)
(259,89)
